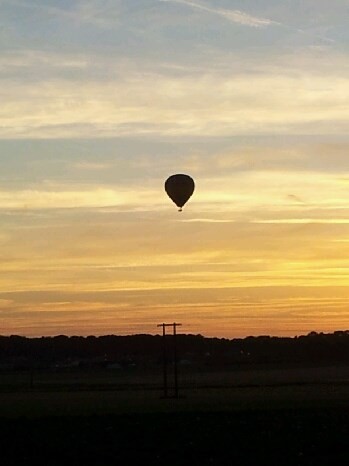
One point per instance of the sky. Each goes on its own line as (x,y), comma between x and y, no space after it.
(102,100)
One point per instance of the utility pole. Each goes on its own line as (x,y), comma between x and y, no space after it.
(165,359)
(175,362)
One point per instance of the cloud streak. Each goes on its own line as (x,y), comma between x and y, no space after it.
(155,104)
(233,16)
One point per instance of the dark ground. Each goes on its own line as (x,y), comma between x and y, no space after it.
(271,417)
(249,437)
(260,413)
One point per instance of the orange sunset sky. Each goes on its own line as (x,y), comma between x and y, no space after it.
(102,100)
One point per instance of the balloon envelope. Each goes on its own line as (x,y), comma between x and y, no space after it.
(179,188)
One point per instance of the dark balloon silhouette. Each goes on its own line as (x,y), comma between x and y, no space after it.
(179,188)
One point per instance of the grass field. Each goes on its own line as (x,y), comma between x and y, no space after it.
(189,378)
(267,420)
(103,402)
(245,437)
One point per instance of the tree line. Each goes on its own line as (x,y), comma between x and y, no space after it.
(312,348)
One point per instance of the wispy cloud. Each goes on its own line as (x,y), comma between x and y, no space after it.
(300,221)
(99,14)
(93,166)
(206,220)
(175,106)
(102,197)
(234,16)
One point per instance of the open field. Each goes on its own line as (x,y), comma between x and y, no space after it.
(276,418)
(246,437)
(134,379)
(103,402)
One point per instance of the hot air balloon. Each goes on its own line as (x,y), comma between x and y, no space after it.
(179,188)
